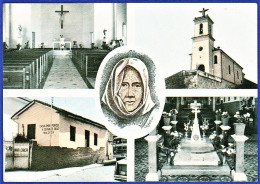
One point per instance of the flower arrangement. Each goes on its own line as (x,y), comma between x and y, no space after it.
(205,125)
(227,151)
(213,135)
(215,139)
(225,115)
(187,126)
(174,112)
(166,115)
(242,118)
(218,112)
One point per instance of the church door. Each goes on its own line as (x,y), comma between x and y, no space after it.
(201,68)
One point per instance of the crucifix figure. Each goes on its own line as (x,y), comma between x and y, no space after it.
(203,11)
(61,12)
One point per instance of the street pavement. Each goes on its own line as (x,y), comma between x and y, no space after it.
(90,173)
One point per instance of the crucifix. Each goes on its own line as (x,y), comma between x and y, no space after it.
(203,11)
(195,135)
(196,109)
(61,12)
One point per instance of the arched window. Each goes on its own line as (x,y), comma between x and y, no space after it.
(215,59)
(201,68)
(201,28)
(229,69)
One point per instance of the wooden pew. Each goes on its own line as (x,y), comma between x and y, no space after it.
(87,62)
(32,68)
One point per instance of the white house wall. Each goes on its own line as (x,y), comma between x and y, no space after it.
(64,134)
(47,128)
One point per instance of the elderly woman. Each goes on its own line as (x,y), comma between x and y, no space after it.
(127,93)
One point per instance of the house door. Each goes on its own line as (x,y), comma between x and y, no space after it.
(87,138)
(31,131)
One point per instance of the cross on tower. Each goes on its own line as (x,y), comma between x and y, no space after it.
(61,12)
(203,11)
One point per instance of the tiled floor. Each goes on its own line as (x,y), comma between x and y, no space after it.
(64,75)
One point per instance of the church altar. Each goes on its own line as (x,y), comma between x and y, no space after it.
(61,42)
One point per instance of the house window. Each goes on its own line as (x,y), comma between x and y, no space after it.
(201,28)
(237,75)
(228,99)
(95,139)
(215,59)
(229,69)
(31,131)
(200,48)
(72,133)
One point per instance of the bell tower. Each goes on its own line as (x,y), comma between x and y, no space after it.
(203,44)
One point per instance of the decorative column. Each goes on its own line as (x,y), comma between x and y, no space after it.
(225,129)
(174,123)
(153,175)
(238,174)
(217,122)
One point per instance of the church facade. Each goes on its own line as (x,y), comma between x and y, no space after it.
(52,126)
(211,67)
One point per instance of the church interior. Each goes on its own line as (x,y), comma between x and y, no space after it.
(54,45)
(199,139)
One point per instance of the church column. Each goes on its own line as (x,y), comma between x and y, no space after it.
(238,174)
(178,103)
(152,139)
(182,100)
(6,23)
(115,21)
(214,104)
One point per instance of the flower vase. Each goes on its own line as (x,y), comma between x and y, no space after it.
(225,121)
(239,128)
(218,117)
(224,159)
(204,134)
(186,135)
(166,121)
(174,117)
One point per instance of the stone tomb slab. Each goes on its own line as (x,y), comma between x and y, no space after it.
(199,153)
(196,158)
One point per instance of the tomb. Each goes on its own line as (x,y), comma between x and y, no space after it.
(196,156)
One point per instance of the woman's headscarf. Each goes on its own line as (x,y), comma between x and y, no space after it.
(111,97)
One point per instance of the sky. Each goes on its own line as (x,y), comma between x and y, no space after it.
(165,30)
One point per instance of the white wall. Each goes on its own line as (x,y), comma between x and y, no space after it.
(81,19)
(78,22)
(20,15)
(103,19)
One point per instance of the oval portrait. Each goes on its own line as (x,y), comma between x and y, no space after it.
(130,92)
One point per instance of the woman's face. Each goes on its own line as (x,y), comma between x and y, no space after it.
(131,90)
